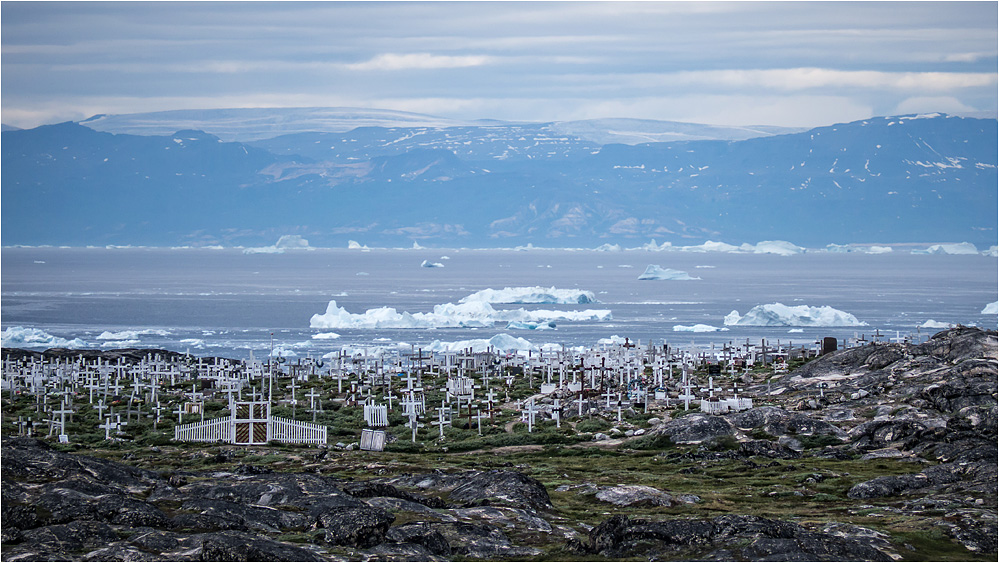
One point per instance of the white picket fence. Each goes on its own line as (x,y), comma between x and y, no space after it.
(214,430)
(294,432)
(223,430)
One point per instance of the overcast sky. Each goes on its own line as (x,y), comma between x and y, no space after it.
(741,63)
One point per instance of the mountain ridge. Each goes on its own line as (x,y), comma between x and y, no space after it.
(904,179)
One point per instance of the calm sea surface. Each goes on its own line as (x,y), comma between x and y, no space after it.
(224,302)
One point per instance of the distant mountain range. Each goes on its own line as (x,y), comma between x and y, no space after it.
(247,177)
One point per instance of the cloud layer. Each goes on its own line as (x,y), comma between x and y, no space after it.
(783,63)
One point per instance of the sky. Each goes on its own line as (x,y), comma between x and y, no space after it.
(799,64)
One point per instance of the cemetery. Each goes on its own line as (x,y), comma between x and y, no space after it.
(874,448)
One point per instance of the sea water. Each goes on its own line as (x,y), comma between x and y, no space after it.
(227,303)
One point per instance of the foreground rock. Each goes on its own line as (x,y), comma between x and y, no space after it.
(59,506)
(742,538)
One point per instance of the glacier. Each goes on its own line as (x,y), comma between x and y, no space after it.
(532,295)
(778,314)
(655,272)
(21,337)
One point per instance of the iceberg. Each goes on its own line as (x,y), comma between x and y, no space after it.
(991,308)
(778,314)
(936,324)
(530,295)
(613,339)
(779,247)
(286,242)
(20,337)
(473,314)
(697,328)
(354,245)
(131,334)
(429,264)
(711,246)
(608,248)
(521,325)
(960,248)
(654,272)
(325,336)
(501,342)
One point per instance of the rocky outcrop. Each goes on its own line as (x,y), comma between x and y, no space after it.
(505,487)
(743,538)
(60,506)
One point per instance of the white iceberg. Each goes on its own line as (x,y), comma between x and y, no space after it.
(500,342)
(711,246)
(991,308)
(325,336)
(936,324)
(20,337)
(286,242)
(780,247)
(778,314)
(697,328)
(526,295)
(522,325)
(608,248)
(473,314)
(959,248)
(613,339)
(879,250)
(429,264)
(654,272)
(354,245)
(131,334)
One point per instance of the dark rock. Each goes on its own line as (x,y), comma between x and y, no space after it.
(763,539)
(505,487)
(695,428)
(155,541)
(33,461)
(238,546)
(120,551)
(68,538)
(779,422)
(423,534)
(369,489)
(249,517)
(766,448)
(361,527)
(205,523)
(474,541)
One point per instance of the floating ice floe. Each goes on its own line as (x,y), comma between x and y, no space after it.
(608,248)
(131,334)
(120,343)
(781,247)
(936,324)
(286,242)
(959,248)
(613,339)
(521,325)
(429,264)
(991,308)
(325,336)
(500,342)
(473,314)
(654,272)
(532,295)
(20,337)
(697,328)
(778,314)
